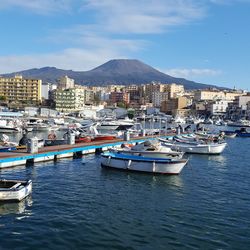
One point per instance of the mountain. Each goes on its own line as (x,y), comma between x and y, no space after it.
(118,71)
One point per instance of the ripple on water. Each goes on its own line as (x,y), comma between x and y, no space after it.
(82,206)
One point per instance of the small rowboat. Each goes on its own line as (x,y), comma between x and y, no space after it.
(142,164)
(210,148)
(14,190)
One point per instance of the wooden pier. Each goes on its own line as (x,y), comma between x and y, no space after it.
(21,157)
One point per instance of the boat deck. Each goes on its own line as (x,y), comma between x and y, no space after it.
(20,157)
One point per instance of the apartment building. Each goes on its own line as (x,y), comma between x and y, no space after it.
(117,97)
(69,100)
(21,91)
(158,98)
(170,106)
(174,90)
(209,95)
(66,83)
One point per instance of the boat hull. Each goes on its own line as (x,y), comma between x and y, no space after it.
(9,130)
(107,127)
(209,149)
(149,165)
(16,194)
(103,138)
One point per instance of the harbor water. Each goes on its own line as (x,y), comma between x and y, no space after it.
(82,206)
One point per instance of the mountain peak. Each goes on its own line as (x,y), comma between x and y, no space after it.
(124,66)
(116,71)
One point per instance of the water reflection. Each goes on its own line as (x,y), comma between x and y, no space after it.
(16,207)
(152,179)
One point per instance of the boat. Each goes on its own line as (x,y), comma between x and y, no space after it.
(196,148)
(36,124)
(142,164)
(9,126)
(150,149)
(7,149)
(83,139)
(240,123)
(120,124)
(103,137)
(229,134)
(56,142)
(14,190)
(242,132)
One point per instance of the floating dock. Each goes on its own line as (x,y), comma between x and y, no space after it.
(22,157)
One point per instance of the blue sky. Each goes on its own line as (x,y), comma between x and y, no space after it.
(203,40)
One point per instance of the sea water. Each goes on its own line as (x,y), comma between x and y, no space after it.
(82,206)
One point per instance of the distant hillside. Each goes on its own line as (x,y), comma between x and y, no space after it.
(119,71)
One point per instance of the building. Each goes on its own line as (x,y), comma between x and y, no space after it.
(66,83)
(134,92)
(218,107)
(174,90)
(89,96)
(69,100)
(171,105)
(209,95)
(150,88)
(21,91)
(238,109)
(119,97)
(158,98)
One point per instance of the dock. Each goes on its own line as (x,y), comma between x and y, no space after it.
(49,153)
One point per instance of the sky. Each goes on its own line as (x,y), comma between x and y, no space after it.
(207,41)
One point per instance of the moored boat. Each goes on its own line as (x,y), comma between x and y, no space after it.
(243,132)
(142,164)
(150,149)
(196,148)
(14,190)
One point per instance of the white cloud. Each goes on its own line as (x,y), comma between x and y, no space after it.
(38,6)
(76,59)
(143,16)
(192,73)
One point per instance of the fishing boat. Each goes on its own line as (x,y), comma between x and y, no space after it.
(243,132)
(14,190)
(142,164)
(229,134)
(150,149)
(240,123)
(7,149)
(196,147)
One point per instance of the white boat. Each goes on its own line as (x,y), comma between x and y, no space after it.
(142,164)
(150,149)
(108,125)
(36,124)
(240,123)
(14,190)
(9,125)
(196,148)
(121,124)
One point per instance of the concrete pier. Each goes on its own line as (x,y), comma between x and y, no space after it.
(20,157)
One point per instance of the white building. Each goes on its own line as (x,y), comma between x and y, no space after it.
(66,83)
(158,97)
(218,107)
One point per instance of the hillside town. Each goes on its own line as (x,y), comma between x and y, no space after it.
(38,98)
